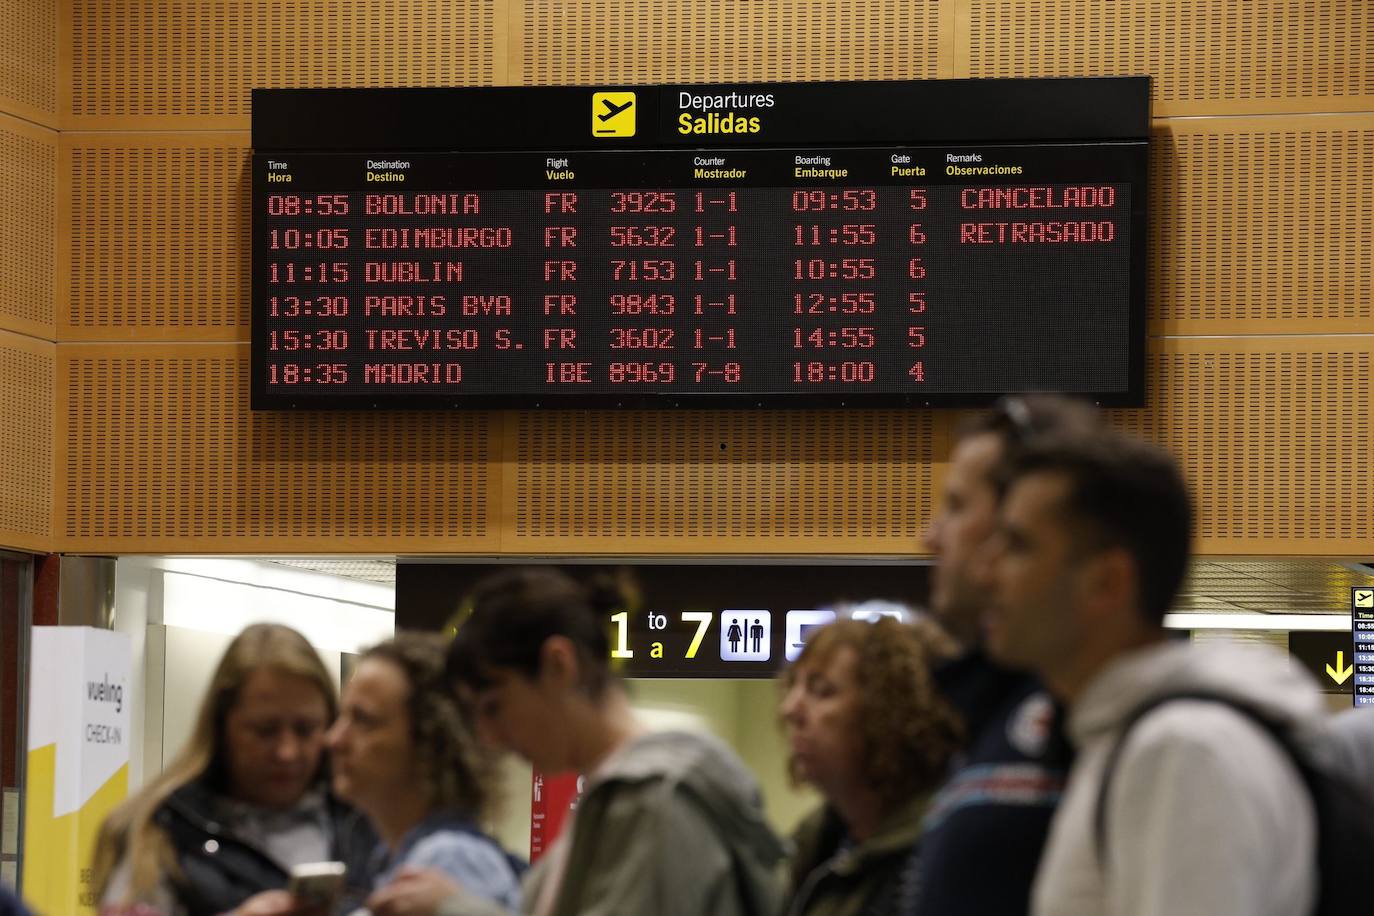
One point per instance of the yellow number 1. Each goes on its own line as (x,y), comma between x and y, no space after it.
(622,622)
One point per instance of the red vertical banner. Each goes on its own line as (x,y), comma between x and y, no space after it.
(552,799)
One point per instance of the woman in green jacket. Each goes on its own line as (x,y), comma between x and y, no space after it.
(866,728)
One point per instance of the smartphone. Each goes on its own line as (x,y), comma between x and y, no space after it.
(317,884)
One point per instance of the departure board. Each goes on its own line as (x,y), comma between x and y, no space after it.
(1362,627)
(838,244)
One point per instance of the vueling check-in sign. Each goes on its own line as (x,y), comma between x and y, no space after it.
(613,114)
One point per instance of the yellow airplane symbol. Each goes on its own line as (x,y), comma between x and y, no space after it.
(613,109)
(613,114)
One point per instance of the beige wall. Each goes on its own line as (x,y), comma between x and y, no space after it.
(28,248)
(743,713)
(123,183)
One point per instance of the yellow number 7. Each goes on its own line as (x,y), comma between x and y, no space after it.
(703,621)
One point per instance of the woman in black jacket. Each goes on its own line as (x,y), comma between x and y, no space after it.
(218,830)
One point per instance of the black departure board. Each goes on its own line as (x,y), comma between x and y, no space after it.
(855,244)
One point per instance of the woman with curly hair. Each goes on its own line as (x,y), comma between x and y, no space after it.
(402,754)
(868,730)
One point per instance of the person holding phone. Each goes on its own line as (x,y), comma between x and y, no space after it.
(245,802)
(402,753)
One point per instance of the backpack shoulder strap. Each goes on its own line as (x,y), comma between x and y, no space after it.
(1275,730)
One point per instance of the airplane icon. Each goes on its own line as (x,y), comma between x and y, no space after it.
(613,109)
(613,114)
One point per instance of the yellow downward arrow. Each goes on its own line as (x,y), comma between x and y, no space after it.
(1340,674)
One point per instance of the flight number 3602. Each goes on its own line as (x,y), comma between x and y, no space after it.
(642,338)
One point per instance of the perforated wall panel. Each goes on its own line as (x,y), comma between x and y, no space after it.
(159,229)
(160,453)
(199,58)
(28,172)
(1274,435)
(1232,56)
(28,59)
(645,41)
(26,448)
(1262,225)
(1259,226)
(724,482)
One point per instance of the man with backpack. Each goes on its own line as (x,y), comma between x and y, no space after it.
(1186,796)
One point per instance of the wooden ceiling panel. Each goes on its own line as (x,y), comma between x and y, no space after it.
(1262,225)
(29,60)
(28,244)
(720,481)
(159,453)
(1229,57)
(714,41)
(1273,435)
(26,449)
(145,63)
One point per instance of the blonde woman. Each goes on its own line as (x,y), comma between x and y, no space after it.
(218,830)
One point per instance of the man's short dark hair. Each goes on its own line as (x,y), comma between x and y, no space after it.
(1123,492)
(1019,420)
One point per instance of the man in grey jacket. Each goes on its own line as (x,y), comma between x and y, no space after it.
(1205,812)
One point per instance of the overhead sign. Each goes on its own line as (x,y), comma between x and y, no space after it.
(1362,625)
(697,620)
(1327,655)
(732,643)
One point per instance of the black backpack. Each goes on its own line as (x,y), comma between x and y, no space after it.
(1344,809)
